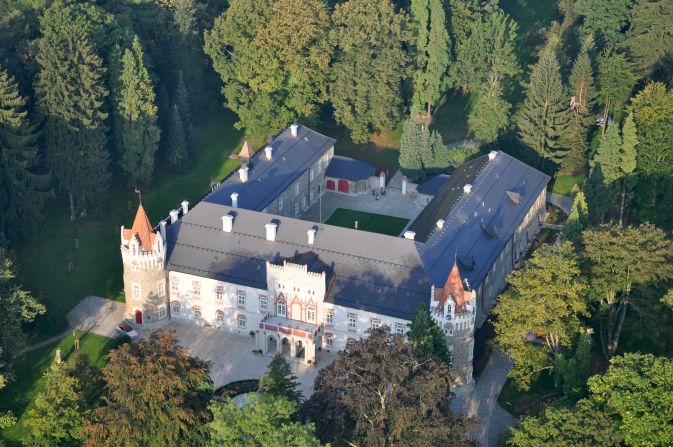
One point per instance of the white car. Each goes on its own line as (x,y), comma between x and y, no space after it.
(124,328)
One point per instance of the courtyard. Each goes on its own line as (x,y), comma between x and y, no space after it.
(376,223)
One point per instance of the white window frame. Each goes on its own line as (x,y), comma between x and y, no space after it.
(296,189)
(375,323)
(280,204)
(175,307)
(263,303)
(303,203)
(242,320)
(219,317)
(329,340)
(310,175)
(219,293)
(284,307)
(197,312)
(240,298)
(135,290)
(161,288)
(162,311)
(310,318)
(175,284)
(196,288)
(296,208)
(352,322)
(329,317)
(399,328)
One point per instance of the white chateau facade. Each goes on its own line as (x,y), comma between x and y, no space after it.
(242,261)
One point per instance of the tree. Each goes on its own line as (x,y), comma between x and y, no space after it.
(649,38)
(432,52)
(583,425)
(155,395)
(59,412)
(17,306)
(543,117)
(263,421)
(181,101)
(538,316)
(490,116)
(615,83)
(279,381)
(178,152)
(75,132)
(619,259)
(609,155)
(136,117)
(368,97)
(378,392)
(636,392)
(629,157)
(427,337)
(573,371)
(605,19)
(411,143)
(578,219)
(273,58)
(22,192)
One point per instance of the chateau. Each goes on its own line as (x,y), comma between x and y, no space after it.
(242,259)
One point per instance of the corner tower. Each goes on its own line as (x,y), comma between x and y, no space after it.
(453,308)
(143,253)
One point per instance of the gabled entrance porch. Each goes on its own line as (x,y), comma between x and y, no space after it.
(293,339)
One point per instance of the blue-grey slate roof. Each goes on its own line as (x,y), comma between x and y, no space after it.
(432,184)
(291,157)
(349,169)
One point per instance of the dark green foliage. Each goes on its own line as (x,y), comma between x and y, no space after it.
(605,19)
(135,116)
(427,337)
(22,192)
(490,116)
(155,395)
(578,219)
(573,371)
(177,149)
(279,380)
(543,117)
(368,97)
(394,395)
(649,38)
(615,83)
(411,143)
(75,131)
(181,100)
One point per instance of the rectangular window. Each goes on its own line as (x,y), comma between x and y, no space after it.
(296,208)
(196,288)
(329,341)
(376,323)
(162,311)
(296,189)
(399,328)
(303,203)
(175,284)
(280,204)
(136,291)
(329,317)
(161,288)
(263,305)
(240,298)
(175,308)
(352,322)
(219,293)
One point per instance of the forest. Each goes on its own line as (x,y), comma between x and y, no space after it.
(105,100)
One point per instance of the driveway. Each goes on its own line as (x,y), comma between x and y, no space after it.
(97,315)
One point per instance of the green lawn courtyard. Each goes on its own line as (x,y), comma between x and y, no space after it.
(376,223)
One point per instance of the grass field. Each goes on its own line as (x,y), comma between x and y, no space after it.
(19,395)
(376,223)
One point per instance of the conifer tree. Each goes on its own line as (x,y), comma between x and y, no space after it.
(577,219)
(279,381)
(178,153)
(181,99)
(432,52)
(629,158)
(71,95)
(427,337)
(136,117)
(543,117)
(608,155)
(22,192)
(411,143)
(368,97)
(615,83)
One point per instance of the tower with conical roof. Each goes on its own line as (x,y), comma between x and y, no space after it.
(453,307)
(143,253)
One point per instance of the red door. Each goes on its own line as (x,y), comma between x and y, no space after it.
(343,185)
(330,185)
(139,317)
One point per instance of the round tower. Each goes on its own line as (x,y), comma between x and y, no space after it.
(143,253)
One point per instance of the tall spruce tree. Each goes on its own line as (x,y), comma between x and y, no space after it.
(71,96)
(615,83)
(22,192)
(412,141)
(368,97)
(177,150)
(649,38)
(543,117)
(136,117)
(578,219)
(181,100)
(432,52)
(279,380)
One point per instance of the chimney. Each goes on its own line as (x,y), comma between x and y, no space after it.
(404,185)
(227,223)
(409,235)
(467,188)
(271,231)
(162,230)
(311,236)
(440,223)
(492,154)
(293,130)
(174,216)
(234,200)
(382,179)
(243,173)
(269,152)
(185,207)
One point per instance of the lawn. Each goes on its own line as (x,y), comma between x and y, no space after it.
(376,223)
(19,395)
(450,118)
(45,256)
(563,184)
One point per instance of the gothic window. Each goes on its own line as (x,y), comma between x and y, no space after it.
(136,290)
(280,308)
(162,311)
(399,328)
(161,288)
(241,321)
(262,303)
(196,288)
(219,293)
(329,317)
(376,323)
(196,310)
(175,308)
(240,298)
(219,317)
(310,315)
(352,322)
(175,284)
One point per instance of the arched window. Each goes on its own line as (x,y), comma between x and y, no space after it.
(329,340)
(280,308)
(175,307)
(310,315)
(241,321)
(219,316)
(196,310)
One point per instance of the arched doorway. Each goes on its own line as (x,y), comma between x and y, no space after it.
(271,345)
(139,317)
(300,351)
(285,347)
(343,185)
(330,185)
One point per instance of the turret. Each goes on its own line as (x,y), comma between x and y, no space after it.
(143,253)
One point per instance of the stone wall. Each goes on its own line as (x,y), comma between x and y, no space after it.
(153,299)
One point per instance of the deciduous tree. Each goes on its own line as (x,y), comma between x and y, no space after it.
(490,115)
